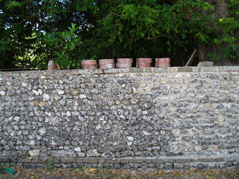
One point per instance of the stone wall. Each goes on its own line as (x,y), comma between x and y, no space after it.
(165,118)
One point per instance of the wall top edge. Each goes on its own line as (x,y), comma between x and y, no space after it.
(120,70)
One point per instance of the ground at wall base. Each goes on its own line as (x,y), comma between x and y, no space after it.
(82,172)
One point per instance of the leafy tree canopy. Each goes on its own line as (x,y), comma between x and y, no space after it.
(67,31)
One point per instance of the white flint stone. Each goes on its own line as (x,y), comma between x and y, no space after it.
(42,76)
(93,153)
(68,113)
(129,143)
(35,92)
(17,118)
(82,96)
(2,93)
(42,131)
(24,85)
(77,149)
(130,138)
(32,142)
(60,92)
(98,127)
(46,97)
(147,133)
(34,153)
(40,91)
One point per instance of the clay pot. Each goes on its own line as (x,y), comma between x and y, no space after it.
(124,62)
(144,62)
(89,64)
(106,63)
(162,62)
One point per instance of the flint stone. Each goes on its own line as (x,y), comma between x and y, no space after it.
(82,96)
(77,149)
(34,153)
(93,153)
(130,138)
(147,133)
(46,97)
(60,92)
(2,93)
(42,131)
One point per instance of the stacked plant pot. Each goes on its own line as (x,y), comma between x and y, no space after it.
(124,62)
(89,64)
(106,63)
(143,62)
(162,62)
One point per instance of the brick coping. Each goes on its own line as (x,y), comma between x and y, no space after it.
(44,73)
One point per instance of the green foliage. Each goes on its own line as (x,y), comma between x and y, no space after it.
(51,165)
(65,47)
(69,31)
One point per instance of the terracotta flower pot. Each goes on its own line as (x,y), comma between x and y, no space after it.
(106,63)
(124,62)
(144,62)
(89,64)
(162,62)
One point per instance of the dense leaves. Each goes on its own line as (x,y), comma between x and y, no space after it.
(33,32)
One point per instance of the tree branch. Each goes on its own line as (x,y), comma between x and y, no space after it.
(152,38)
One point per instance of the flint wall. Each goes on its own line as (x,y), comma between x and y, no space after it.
(165,118)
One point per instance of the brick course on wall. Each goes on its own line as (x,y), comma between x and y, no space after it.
(166,118)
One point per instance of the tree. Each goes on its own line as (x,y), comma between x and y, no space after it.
(119,28)
(212,25)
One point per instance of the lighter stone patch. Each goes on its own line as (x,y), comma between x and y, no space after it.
(35,92)
(75,92)
(179,75)
(42,77)
(46,97)
(77,149)
(34,153)
(98,127)
(176,132)
(31,142)
(187,75)
(198,148)
(147,133)
(24,85)
(68,113)
(60,92)
(42,131)
(122,117)
(57,97)
(220,118)
(42,104)
(82,96)
(129,143)
(54,120)
(81,154)
(213,148)
(16,118)
(130,138)
(2,93)
(93,153)
(40,92)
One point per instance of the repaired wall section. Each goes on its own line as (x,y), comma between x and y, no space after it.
(165,118)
